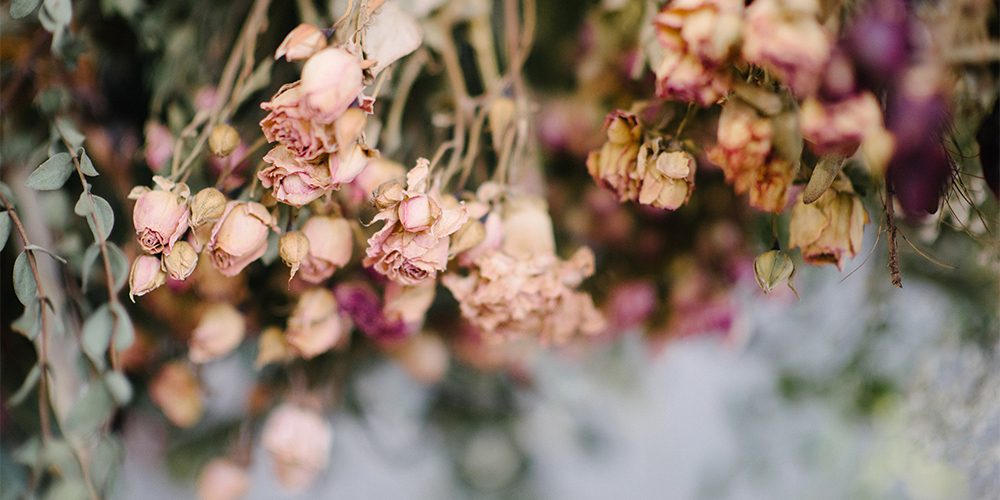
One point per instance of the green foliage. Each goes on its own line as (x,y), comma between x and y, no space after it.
(86,165)
(5,223)
(30,381)
(24,282)
(96,334)
(97,210)
(124,334)
(21,8)
(52,174)
(91,411)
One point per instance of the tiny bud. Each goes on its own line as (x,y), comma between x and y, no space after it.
(773,267)
(223,140)
(181,261)
(208,206)
(293,247)
(388,194)
(146,276)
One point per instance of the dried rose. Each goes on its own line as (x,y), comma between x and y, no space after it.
(181,261)
(315,326)
(829,231)
(240,236)
(160,218)
(293,248)
(299,442)
(288,122)
(331,81)
(207,206)
(785,37)
(219,331)
(610,166)
(331,242)
(223,479)
(146,275)
(296,181)
(176,391)
(300,43)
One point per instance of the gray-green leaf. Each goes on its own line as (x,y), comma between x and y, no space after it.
(96,334)
(119,386)
(106,461)
(52,174)
(61,11)
(24,282)
(4,228)
(67,489)
(99,214)
(120,266)
(30,381)
(45,250)
(28,324)
(124,330)
(21,8)
(91,411)
(86,165)
(89,258)
(66,128)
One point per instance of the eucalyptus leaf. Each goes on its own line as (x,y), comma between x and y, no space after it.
(96,334)
(86,165)
(91,411)
(52,174)
(5,223)
(98,212)
(120,267)
(68,489)
(30,381)
(89,258)
(21,8)
(24,282)
(45,250)
(56,324)
(105,462)
(28,324)
(119,386)
(28,452)
(124,330)
(57,454)
(66,128)
(8,193)
(271,253)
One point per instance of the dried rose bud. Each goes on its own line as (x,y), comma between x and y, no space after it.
(419,212)
(331,242)
(299,442)
(829,231)
(240,236)
(301,43)
(378,172)
(223,140)
(272,348)
(349,163)
(331,81)
(293,247)
(220,330)
(180,262)
(175,389)
(666,177)
(146,275)
(387,194)
(349,127)
(207,206)
(223,479)
(773,267)
(315,326)
(611,165)
(160,218)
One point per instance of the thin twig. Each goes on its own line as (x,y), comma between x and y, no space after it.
(890,219)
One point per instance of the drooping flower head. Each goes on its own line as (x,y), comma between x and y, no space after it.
(160,215)
(240,236)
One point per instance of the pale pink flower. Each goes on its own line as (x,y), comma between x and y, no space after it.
(287,123)
(378,171)
(839,128)
(223,479)
(300,43)
(299,441)
(159,145)
(425,357)
(160,216)
(176,391)
(331,81)
(220,330)
(147,274)
(240,236)
(413,256)
(785,37)
(315,326)
(331,241)
(349,162)
(296,181)
(829,230)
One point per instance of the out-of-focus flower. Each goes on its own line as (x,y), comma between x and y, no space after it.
(301,43)
(838,128)
(181,261)
(315,326)
(331,242)
(159,145)
(296,181)
(785,36)
(745,154)
(408,303)
(146,275)
(176,391)
(879,43)
(272,348)
(617,157)
(223,140)
(160,216)
(423,356)
(527,228)
(364,308)
(630,304)
(413,245)
(223,479)
(299,442)
(697,37)
(771,268)
(293,248)
(240,236)
(829,230)
(331,81)
(220,330)
(207,206)
(378,171)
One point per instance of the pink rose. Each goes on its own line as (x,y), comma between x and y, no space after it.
(288,124)
(302,42)
(315,326)
(160,219)
(785,37)
(176,391)
(299,442)
(159,145)
(294,180)
(331,81)
(146,275)
(330,244)
(240,236)
(220,330)
(223,479)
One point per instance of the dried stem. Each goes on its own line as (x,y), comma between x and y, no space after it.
(897,281)
(43,351)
